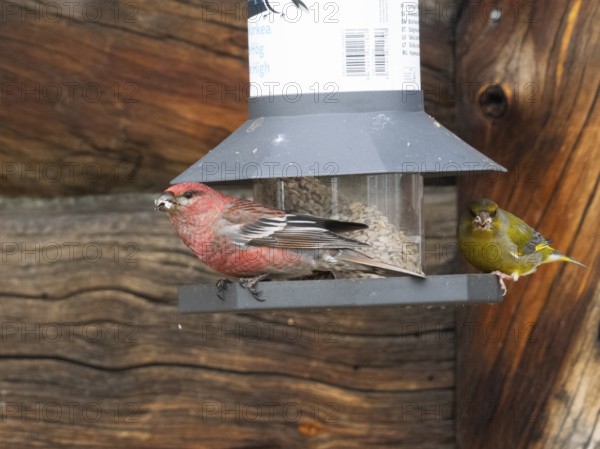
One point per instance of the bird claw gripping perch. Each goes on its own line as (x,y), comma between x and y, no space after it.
(222,285)
(251,284)
(501,277)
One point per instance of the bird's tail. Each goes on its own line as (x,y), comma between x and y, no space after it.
(556,256)
(374,265)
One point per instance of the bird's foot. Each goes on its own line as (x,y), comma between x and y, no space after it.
(501,277)
(222,285)
(250,284)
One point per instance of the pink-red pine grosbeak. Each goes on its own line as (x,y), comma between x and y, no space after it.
(247,242)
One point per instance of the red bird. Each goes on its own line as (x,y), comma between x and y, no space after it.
(247,242)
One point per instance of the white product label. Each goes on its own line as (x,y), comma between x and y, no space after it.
(308,46)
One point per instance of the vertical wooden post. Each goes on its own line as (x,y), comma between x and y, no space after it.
(528,370)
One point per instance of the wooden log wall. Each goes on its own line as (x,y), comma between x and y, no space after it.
(108,96)
(533,382)
(94,352)
(116,98)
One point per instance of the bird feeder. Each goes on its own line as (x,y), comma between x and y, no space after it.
(337,129)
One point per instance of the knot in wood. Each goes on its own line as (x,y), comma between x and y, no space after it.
(493,100)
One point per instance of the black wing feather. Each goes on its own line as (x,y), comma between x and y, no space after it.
(301,232)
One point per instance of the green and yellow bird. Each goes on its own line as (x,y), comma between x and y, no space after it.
(495,241)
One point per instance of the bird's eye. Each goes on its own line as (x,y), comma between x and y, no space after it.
(188,194)
(473,214)
(493,213)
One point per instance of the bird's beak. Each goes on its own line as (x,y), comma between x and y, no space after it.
(165,202)
(483,221)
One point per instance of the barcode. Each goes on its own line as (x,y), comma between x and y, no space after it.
(381,52)
(355,43)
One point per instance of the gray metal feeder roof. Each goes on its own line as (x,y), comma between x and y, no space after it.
(345,133)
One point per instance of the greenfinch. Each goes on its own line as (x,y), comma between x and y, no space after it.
(495,241)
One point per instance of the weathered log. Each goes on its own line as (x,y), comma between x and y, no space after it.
(96,354)
(536,112)
(107,96)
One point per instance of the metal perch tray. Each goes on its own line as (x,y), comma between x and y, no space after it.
(456,289)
